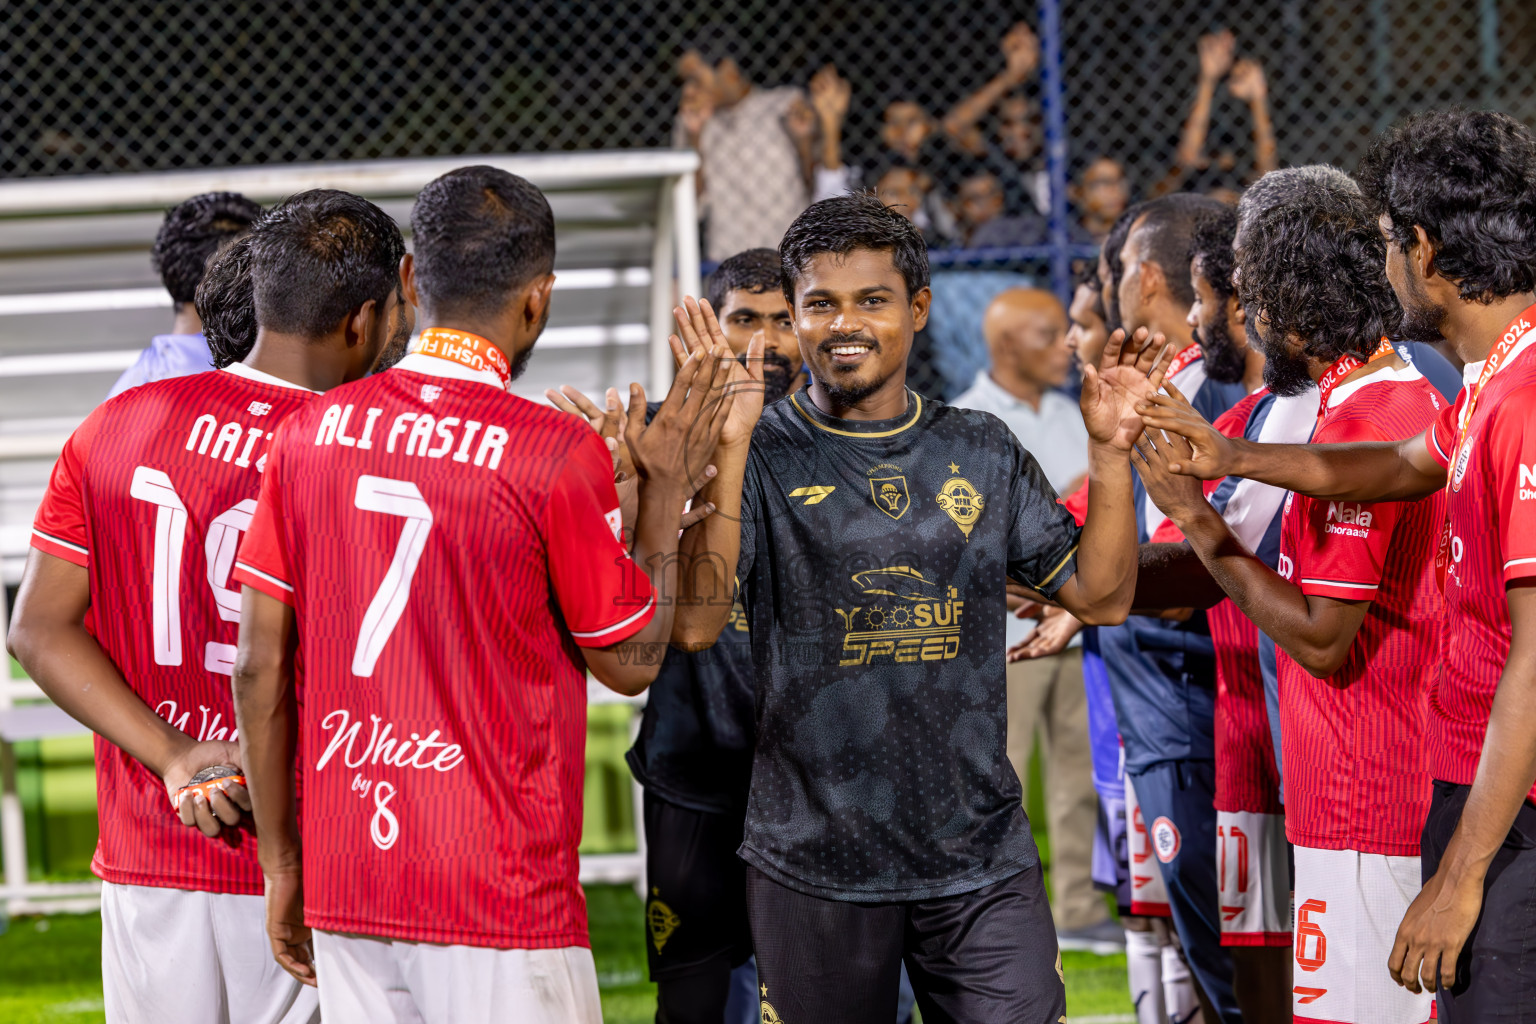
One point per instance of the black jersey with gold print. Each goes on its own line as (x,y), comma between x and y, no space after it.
(872,570)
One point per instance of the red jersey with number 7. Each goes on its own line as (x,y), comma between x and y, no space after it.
(1490,544)
(150,495)
(446,547)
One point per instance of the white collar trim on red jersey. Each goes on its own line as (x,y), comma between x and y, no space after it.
(1472,371)
(432,366)
(261,377)
(1343,391)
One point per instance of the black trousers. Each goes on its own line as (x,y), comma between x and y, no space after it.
(980,957)
(1496,973)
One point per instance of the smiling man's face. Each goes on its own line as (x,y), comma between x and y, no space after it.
(855,321)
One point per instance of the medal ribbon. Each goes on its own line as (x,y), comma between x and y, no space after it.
(463,348)
(1514,334)
(1345,366)
(1182,358)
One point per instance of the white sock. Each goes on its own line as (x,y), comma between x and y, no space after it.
(1144,968)
(1179,988)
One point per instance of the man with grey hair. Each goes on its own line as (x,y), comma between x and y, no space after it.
(1354,608)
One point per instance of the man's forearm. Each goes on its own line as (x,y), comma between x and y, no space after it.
(1376,471)
(1173,576)
(708,552)
(266,712)
(1108,550)
(655,551)
(1265,153)
(69,666)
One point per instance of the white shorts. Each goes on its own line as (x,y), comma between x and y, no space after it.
(368,980)
(178,956)
(1255,879)
(1149,896)
(1348,907)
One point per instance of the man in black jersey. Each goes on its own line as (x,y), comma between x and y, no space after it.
(872,532)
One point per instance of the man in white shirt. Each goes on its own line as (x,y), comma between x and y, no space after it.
(1026,335)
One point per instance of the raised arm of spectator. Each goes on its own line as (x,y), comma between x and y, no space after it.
(830,93)
(1247,83)
(695,105)
(1215,51)
(1021,55)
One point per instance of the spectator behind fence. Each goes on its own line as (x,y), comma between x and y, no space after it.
(1012,152)
(1026,335)
(1193,169)
(906,189)
(192,232)
(1099,196)
(983,221)
(755,150)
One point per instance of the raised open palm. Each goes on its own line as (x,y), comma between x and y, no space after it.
(698,332)
(1113,390)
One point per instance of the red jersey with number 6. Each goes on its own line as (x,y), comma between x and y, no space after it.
(1356,774)
(447,547)
(150,495)
(1490,544)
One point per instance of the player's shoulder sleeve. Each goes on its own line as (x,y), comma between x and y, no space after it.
(603,595)
(1042,533)
(1342,546)
(59,528)
(1440,438)
(263,560)
(1511,452)
(751,514)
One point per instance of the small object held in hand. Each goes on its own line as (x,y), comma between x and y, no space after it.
(209,779)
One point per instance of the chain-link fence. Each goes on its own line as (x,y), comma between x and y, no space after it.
(950,110)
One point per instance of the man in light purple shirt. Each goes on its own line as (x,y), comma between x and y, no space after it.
(193,231)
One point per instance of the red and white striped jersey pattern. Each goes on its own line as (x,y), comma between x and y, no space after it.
(1490,541)
(151,495)
(1353,744)
(447,547)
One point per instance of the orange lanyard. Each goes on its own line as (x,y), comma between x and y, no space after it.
(1345,366)
(1514,334)
(1182,358)
(463,348)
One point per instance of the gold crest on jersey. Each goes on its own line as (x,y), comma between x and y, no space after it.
(770,1015)
(961,501)
(890,495)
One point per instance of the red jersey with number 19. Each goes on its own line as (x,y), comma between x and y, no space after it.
(446,547)
(1356,775)
(1490,543)
(150,495)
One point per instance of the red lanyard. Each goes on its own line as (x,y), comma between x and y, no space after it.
(469,350)
(1518,330)
(1345,366)
(1182,358)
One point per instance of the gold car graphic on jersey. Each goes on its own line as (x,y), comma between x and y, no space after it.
(919,621)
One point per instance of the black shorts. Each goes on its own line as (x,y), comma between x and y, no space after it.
(982,956)
(1496,974)
(696,908)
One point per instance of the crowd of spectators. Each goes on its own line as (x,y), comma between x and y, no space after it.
(970,177)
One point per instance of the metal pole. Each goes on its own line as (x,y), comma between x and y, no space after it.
(659,362)
(1054,108)
(685,213)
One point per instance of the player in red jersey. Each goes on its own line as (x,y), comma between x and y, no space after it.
(1454,195)
(127,617)
(443,561)
(1354,608)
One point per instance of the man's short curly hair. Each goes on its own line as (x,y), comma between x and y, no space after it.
(755,271)
(192,232)
(848,223)
(1468,178)
(1312,263)
(226,303)
(1211,245)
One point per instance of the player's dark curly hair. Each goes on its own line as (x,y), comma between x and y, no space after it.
(319,255)
(226,303)
(192,232)
(1312,262)
(755,271)
(846,223)
(480,233)
(1211,244)
(1468,178)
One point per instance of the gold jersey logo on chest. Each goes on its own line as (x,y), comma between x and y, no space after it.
(961,501)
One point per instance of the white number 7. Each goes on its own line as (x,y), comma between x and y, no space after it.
(395,498)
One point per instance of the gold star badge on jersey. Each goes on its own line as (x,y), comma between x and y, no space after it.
(961,501)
